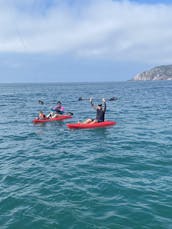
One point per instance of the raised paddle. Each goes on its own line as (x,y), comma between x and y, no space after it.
(111,99)
(42,103)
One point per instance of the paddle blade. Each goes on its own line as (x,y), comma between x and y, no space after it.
(70,113)
(113,99)
(40,102)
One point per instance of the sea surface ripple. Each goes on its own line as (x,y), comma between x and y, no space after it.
(117,177)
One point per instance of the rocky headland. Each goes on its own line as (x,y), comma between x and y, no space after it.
(163,72)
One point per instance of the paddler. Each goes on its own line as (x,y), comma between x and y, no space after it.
(41,115)
(57,110)
(100,112)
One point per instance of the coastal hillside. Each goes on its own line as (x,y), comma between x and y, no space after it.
(163,72)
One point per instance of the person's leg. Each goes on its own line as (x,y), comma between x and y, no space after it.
(94,121)
(88,120)
(55,115)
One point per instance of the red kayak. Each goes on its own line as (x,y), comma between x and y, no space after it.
(59,118)
(90,125)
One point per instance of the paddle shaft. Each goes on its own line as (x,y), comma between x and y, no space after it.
(111,99)
(42,103)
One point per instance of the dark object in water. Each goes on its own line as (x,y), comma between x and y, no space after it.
(111,99)
(41,102)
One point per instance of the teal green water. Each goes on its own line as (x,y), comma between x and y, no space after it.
(117,177)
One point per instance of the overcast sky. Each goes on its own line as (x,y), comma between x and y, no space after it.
(82,40)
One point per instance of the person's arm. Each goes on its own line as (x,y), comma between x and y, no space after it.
(54,108)
(104,104)
(92,104)
(62,109)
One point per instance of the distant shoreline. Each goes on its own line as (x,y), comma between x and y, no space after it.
(159,73)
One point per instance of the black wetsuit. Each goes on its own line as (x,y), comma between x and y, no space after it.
(100,113)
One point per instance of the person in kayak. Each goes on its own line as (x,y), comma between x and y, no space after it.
(57,110)
(100,112)
(41,115)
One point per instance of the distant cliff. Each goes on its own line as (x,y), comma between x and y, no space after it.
(163,72)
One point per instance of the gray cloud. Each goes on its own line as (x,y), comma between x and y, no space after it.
(118,30)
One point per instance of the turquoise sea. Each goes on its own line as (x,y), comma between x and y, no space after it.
(116,177)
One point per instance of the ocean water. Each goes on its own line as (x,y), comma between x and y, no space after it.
(116,177)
